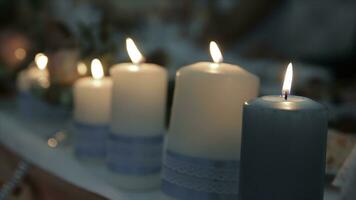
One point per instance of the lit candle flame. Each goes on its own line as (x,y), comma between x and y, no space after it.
(41,61)
(135,55)
(287,84)
(82,68)
(97,69)
(215,52)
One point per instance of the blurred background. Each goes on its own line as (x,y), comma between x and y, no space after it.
(262,36)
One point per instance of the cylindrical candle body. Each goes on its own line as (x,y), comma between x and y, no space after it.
(92,101)
(205,127)
(138,124)
(31,76)
(29,104)
(283,149)
(139,98)
(92,113)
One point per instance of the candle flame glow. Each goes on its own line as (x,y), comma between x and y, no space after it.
(82,68)
(97,69)
(287,84)
(135,55)
(41,61)
(215,52)
(20,53)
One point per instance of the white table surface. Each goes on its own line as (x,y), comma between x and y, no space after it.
(28,138)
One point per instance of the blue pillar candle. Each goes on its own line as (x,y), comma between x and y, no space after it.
(283,148)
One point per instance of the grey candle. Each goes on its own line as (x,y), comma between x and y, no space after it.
(283,148)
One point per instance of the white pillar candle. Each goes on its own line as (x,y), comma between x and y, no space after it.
(36,74)
(205,129)
(138,119)
(92,112)
(283,147)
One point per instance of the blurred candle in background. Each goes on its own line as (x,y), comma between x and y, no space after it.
(82,69)
(138,121)
(203,144)
(92,112)
(283,147)
(31,85)
(35,75)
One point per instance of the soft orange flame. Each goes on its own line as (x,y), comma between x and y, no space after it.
(287,84)
(97,69)
(82,68)
(215,52)
(135,55)
(41,61)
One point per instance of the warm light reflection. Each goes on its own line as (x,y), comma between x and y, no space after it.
(52,142)
(41,61)
(20,53)
(57,139)
(97,69)
(288,105)
(135,55)
(60,136)
(134,68)
(287,84)
(215,52)
(43,81)
(82,68)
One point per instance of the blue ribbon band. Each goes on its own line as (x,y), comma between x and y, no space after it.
(90,140)
(134,155)
(193,178)
(32,106)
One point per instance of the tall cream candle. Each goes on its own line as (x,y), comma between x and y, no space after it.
(205,131)
(137,126)
(92,112)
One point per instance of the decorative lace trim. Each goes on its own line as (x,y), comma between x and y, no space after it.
(200,176)
(202,168)
(134,155)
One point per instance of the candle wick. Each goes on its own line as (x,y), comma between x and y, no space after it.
(285,95)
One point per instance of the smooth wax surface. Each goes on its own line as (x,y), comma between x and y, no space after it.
(139,99)
(207,109)
(92,101)
(283,149)
(138,111)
